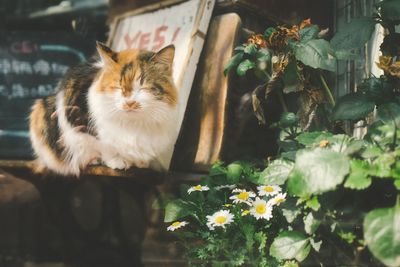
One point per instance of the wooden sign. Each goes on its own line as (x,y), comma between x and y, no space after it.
(182,23)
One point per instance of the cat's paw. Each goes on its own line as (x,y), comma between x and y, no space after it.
(117,163)
(141,164)
(94,161)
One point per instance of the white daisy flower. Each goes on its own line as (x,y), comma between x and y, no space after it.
(176,225)
(268,190)
(220,219)
(277,200)
(198,188)
(226,186)
(261,209)
(243,196)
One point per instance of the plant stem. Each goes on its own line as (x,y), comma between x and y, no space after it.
(327,90)
(282,101)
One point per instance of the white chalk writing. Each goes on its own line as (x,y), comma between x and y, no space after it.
(20,91)
(39,67)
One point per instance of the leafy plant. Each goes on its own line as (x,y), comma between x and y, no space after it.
(327,198)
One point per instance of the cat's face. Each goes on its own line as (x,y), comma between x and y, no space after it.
(137,82)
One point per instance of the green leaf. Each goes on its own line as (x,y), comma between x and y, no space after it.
(349,237)
(263,55)
(371,151)
(288,145)
(176,209)
(248,231)
(390,10)
(354,35)
(309,33)
(316,53)
(389,113)
(346,55)
(288,119)
(290,245)
(268,32)
(276,173)
(316,245)
(290,155)
(312,138)
(239,48)
(317,171)
(244,66)
(234,171)
(353,106)
(234,61)
(250,49)
(261,238)
(358,178)
(291,79)
(313,203)
(396,170)
(310,223)
(354,146)
(397,184)
(382,234)
(378,90)
(383,165)
(217,169)
(290,264)
(289,210)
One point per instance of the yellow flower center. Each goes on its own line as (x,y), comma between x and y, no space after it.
(176,224)
(269,189)
(243,195)
(220,219)
(197,187)
(279,200)
(260,208)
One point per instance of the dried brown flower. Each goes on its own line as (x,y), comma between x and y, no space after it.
(387,65)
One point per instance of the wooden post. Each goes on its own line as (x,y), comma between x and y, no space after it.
(201,141)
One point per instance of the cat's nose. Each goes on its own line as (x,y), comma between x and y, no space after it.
(131,104)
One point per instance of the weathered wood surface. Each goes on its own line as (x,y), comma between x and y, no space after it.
(19,203)
(141,176)
(118,7)
(89,222)
(201,140)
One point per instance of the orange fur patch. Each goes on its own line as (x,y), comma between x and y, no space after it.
(130,67)
(38,126)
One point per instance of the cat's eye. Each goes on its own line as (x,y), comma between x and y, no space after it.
(157,89)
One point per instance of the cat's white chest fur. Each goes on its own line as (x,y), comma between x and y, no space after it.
(138,138)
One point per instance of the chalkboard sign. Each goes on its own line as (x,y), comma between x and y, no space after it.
(31,64)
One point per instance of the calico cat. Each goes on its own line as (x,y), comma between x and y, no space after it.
(120,110)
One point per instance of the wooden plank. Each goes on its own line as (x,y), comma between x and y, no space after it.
(185,25)
(201,140)
(143,176)
(118,7)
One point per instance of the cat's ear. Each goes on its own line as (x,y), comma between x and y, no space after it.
(165,56)
(108,57)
